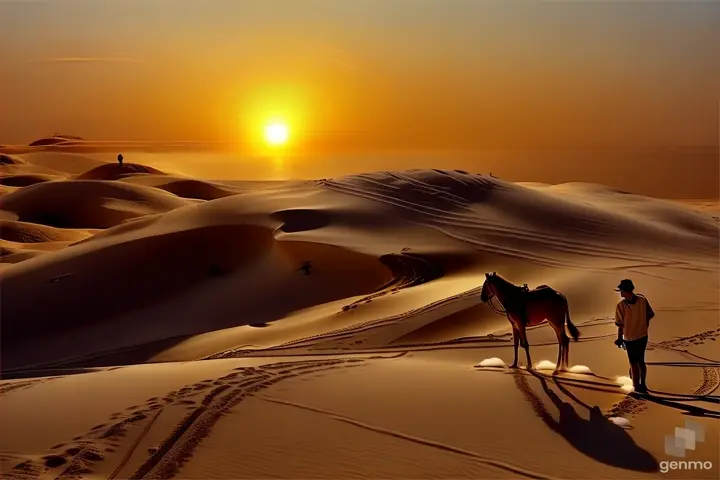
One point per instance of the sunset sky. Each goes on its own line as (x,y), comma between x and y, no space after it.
(362,74)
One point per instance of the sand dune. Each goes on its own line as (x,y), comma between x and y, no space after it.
(139,270)
(116,172)
(8,160)
(184,187)
(26,167)
(21,241)
(55,139)
(159,326)
(86,203)
(22,232)
(26,180)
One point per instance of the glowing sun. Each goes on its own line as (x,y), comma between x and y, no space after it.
(276,134)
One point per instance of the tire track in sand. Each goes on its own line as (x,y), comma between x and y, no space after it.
(16,386)
(178,447)
(208,399)
(134,446)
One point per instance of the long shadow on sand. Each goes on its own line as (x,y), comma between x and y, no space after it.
(596,437)
(114,358)
(683,397)
(676,404)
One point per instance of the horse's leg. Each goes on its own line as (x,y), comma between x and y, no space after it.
(516,340)
(563,335)
(525,344)
(561,352)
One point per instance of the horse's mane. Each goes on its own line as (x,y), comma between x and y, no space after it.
(503,279)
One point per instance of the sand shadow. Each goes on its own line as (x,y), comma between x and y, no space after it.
(596,437)
(684,397)
(131,355)
(676,404)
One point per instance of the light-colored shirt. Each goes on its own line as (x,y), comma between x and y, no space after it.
(634,317)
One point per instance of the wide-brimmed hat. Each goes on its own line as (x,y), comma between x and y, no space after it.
(626,285)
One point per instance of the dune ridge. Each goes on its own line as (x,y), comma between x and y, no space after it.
(22,232)
(26,180)
(165,317)
(115,172)
(8,160)
(54,140)
(86,203)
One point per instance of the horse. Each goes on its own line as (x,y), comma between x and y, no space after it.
(525,307)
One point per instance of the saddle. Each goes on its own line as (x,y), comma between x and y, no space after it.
(526,289)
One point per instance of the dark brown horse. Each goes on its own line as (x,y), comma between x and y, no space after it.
(525,308)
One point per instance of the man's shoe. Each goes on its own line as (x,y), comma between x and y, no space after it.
(640,388)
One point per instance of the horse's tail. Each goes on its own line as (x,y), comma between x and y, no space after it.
(574,332)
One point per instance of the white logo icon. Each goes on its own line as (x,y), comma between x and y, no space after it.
(684,439)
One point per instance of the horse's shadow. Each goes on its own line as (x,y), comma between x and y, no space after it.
(596,437)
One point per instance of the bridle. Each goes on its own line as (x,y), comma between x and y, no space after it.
(499,310)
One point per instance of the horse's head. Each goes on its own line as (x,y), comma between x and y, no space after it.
(488,290)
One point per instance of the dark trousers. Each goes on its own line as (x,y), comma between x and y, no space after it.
(636,349)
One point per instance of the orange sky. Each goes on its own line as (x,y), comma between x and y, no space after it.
(350,75)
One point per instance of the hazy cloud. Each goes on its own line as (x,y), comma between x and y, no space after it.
(93,60)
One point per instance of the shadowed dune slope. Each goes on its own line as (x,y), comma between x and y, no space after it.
(224,275)
(86,203)
(23,232)
(121,277)
(16,255)
(234,258)
(8,160)
(113,171)
(185,188)
(196,189)
(27,180)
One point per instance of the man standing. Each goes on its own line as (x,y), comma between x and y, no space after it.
(120,159)
(632,317)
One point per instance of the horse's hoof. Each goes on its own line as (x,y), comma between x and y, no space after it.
(514,365)
(556,371)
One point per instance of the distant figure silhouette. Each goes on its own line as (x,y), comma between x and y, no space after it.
(120,159)
(305,268)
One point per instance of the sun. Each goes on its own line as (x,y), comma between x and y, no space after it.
(276,134)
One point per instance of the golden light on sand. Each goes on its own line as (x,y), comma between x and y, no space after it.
(342,240)
(276,134)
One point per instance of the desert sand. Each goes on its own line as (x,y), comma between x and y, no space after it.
(161,326)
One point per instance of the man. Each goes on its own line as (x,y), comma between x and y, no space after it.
(120,159)
(632,317)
